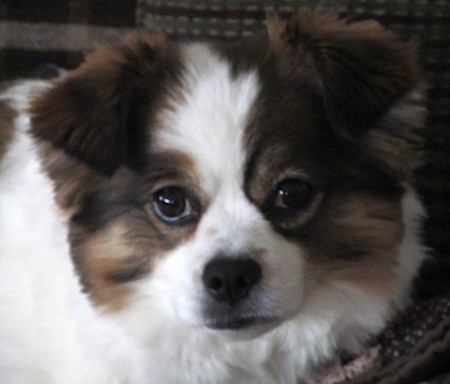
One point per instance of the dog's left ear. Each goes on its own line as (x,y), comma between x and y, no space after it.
(367,77)
(89,112)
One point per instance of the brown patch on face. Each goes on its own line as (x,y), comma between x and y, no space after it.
(110,260)
(352,228)
(116,238)
(7,115)
(356,239)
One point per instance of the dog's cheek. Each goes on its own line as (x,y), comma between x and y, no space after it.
(358,245)
(112,260)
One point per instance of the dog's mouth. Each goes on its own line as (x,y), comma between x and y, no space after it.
(238,323)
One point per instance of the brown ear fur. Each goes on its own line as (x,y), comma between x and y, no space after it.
(362,69)
(368,79)
(87,113)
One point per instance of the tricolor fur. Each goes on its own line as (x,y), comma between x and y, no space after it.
(98,285)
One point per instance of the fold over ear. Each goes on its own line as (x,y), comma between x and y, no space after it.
(90,114)
(361,68)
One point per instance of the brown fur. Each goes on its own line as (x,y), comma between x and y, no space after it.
(111,258)
(361,68)
(115,236)
(397,140)
(7,116)
(95,117)
(359,238)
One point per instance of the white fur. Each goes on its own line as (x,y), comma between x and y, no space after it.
(208,122)
(50,333)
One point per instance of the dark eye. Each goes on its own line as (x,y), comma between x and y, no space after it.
(173,205)
(295,194)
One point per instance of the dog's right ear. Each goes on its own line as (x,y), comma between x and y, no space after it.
(360,68)
(89,113)
(369,81)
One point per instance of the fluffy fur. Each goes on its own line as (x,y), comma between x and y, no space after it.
(97,287)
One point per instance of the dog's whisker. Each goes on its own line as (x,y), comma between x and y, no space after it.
(346,298)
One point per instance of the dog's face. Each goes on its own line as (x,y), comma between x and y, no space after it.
(224,185)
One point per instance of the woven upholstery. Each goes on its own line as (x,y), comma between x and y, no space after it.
(38,32)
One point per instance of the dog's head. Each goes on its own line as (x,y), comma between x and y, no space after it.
(223,185)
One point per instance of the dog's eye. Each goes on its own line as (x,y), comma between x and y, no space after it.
(293,194)
(172,205)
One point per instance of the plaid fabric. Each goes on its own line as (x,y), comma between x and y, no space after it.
(228,19)
(413,349)
(34,33)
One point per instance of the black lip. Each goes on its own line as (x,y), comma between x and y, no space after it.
(237,323)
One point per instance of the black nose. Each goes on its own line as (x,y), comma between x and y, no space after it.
(230,280)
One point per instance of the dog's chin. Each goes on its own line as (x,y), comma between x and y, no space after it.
(245,328)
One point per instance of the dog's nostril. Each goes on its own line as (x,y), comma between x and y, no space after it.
(231,280)
(215,284)
(242,282)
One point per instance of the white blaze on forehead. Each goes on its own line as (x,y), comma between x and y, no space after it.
(208,123)
(209,120)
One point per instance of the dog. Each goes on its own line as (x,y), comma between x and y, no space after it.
(200,212)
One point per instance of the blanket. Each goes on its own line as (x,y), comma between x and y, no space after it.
(413,349)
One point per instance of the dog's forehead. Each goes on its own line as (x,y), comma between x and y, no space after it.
(207,117)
